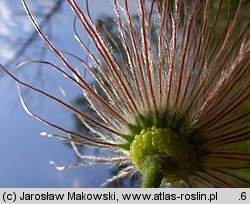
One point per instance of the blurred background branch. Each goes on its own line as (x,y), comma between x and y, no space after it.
(46,17)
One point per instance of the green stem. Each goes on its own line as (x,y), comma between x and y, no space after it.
(152,176)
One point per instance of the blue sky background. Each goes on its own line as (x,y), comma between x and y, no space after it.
(24,154)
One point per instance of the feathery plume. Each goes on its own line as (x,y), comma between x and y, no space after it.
(172,100)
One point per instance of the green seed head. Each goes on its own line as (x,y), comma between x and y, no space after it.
(174,156)
(164,146)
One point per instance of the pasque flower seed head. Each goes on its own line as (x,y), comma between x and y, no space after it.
(173,93)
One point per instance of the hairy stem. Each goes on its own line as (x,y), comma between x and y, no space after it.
(152,176)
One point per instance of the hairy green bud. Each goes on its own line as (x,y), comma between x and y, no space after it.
(170,153)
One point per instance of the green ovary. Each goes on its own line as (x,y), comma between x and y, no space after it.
(172,154)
